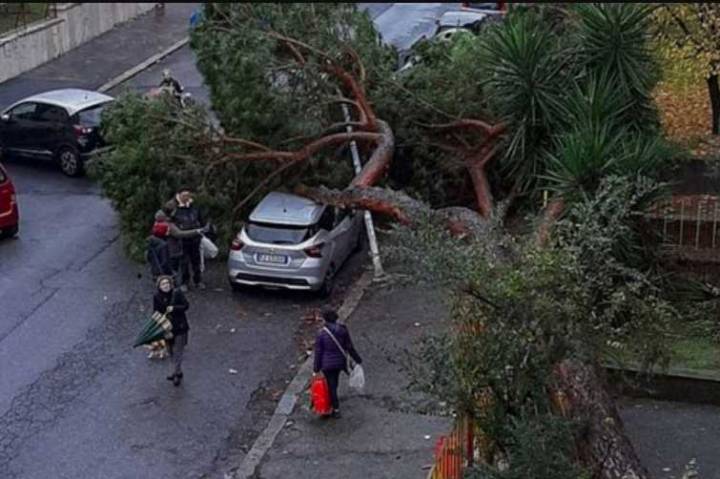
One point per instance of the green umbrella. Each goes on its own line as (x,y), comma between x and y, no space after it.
(156,328)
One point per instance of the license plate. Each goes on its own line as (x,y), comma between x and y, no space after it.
(272,258)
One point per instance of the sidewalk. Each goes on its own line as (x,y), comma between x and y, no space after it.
(104,57)
(382,434)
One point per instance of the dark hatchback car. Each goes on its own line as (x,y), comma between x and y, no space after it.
(60,125)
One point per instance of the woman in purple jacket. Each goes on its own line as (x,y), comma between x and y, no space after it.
(329,358)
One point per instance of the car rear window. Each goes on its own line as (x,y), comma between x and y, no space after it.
(277,234)
(90,116)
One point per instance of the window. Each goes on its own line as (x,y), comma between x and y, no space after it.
(50,114)
(327,219)
(90,116)
(3,178)
(24,111)
(340,215)
(277,234)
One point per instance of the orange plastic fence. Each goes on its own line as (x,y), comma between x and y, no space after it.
(453,453)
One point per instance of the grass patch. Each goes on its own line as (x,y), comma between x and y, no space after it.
(16,15)
(692,347)
(696,353)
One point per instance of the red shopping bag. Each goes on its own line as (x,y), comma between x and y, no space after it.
(320,396)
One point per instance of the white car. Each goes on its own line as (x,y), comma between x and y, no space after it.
(291,242)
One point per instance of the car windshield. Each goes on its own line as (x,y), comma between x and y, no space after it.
(90,116)
(277,234)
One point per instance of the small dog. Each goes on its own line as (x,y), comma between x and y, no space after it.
(158,350)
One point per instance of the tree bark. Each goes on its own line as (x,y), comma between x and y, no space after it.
(602,445)
(379,162)
(399,206)
(481,185)
(714,91)
(552,213)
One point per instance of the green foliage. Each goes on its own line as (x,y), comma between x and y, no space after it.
(523,77)
(257,87)
(259,92)
(158,149)
(517,311)
(613,39)
(538,446)
(439,89)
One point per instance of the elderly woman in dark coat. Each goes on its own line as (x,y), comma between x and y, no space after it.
(171,301)
(329,358)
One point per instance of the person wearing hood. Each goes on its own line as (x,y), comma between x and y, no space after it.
(157,253)
(171,301)
(330,358)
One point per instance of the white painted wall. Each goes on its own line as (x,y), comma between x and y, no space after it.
(76,23)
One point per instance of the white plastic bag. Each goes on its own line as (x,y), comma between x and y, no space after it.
(208,248)
(357,378)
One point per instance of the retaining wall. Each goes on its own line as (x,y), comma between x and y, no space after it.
(76,23)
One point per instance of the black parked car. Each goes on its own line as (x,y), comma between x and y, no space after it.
(60,125)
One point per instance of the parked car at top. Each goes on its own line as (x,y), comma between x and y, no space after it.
(9,215)
(470,21)
(59,125)
(483,6)
(294,243)
(449,25)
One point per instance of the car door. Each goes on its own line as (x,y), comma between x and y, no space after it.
(16,126)
(49,130)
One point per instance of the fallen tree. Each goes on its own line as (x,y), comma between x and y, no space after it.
(302,83)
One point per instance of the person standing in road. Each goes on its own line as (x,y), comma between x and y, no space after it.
(188,217)
(330,358)
(174,238)
(171,301)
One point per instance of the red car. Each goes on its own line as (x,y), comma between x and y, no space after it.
(9,215)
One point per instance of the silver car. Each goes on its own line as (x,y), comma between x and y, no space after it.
(293,243)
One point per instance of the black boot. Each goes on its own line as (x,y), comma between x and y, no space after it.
(171,377)
(177,380)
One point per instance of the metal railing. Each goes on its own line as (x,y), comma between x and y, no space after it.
(688,225)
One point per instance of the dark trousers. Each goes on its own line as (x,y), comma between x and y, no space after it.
(191,258)
(177,350)
(176,265)
(333,379)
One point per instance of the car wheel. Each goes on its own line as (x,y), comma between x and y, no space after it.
(329,283)
(70,162)
(9,232)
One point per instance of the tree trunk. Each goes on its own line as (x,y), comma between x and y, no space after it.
(399,206)
(379,162)
(552,213)
(714,91)
(602,444)
(483,195)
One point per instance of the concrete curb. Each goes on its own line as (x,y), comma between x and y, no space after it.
(125,76)
(296,387)
(675,384)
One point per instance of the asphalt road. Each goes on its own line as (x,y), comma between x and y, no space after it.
(75,400)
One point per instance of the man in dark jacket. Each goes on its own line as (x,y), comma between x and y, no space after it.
(330,358)
(187,216)
(171,301)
